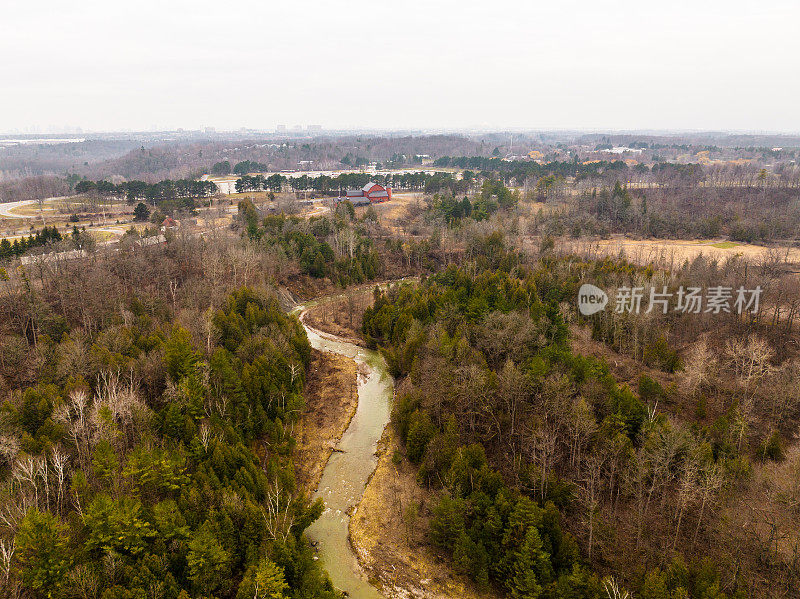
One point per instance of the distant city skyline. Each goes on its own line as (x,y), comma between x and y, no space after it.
(75,130)
(443,65)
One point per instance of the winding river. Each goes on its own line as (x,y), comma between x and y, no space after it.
(348,469)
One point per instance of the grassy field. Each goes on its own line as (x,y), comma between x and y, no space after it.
(104,221)
(660,251)
(725,245)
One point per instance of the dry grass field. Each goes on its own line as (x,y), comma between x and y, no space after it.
(676,251)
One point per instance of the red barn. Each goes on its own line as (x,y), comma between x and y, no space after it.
(372,191)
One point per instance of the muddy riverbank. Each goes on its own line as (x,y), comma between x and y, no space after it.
(349,467)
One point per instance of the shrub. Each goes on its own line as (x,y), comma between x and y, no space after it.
(658,354)
(772,447)
(650,389)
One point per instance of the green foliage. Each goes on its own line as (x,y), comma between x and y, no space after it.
(650,390)
(614,206)
(116,525)
(221,168)
(471,558)
(312,243)
(169,195)
(452,296)
(179,356)
(679,581)
(171,494)
(207,562)
(655,586)
(420,431)
(43,238)
(34,416)
(249,216)
(447,524)
(249,166)
(262,376)
(484,352)
(42,552)
(141,213)
(266,580)
(105,464)
(659,355)
(156,472)
(772,447)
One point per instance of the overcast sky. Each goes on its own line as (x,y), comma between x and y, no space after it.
(432,64)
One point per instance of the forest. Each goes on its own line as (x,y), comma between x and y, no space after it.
(147,432)
(151,394)
(515,429)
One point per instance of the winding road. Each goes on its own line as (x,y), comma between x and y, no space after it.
(7,207)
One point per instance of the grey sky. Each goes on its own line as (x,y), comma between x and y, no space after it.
(400,63)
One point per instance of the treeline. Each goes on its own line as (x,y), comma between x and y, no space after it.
(181,191)
(144,458)
(522,170)
(328,185)
(43,237)
(33,188)
(523,438)
(661,174)
(240,168)
(744,215)
(47,240)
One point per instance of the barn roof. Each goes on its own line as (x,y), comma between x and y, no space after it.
(369,186)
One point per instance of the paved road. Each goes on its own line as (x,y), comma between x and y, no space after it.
(5,209)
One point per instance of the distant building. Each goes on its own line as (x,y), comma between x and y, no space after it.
(169,224)
(623,150)
(373,192)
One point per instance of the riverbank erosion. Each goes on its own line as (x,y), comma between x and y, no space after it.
(331,398)
(349,466)
(388,533)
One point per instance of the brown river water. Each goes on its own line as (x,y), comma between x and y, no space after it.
(347,471)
